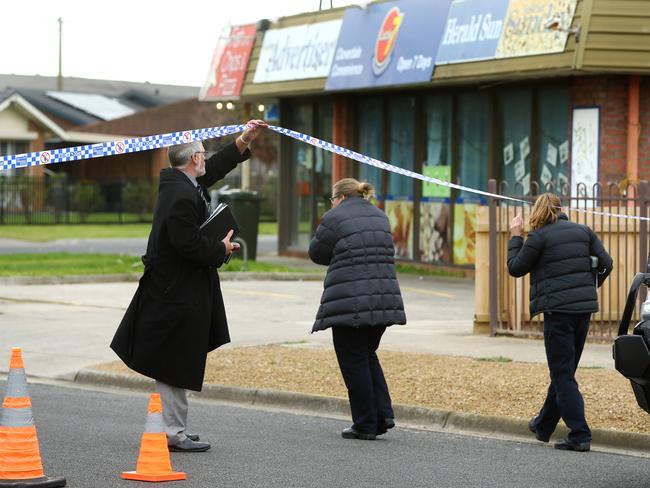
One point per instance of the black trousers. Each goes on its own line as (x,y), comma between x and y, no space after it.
(564,340)
(370,401)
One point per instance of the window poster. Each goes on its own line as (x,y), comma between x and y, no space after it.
(400,216)
(435,232)
(584,150)
(465,233)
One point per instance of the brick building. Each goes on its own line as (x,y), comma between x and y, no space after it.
(557,107)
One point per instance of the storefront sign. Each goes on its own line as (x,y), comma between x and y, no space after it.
(297,53)
(229,65)
(473,30)
(389,43)
(524,33)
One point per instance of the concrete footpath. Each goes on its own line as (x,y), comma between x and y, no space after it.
(65,328)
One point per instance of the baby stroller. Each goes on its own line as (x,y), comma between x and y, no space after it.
(632,351)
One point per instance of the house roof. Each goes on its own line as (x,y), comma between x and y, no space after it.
(85,101)
(15,99)
(158,92)
(183,115)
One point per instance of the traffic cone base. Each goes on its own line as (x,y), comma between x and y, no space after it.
(20,457)
(44,482)
(133,475)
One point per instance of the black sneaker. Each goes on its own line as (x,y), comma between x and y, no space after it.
(533,429)
(350,433)
(567,445)
(384,425)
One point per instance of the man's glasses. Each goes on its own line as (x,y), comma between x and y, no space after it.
(200,152)
(333,199)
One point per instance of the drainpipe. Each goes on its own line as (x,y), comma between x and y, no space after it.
(632,167)
(341,137)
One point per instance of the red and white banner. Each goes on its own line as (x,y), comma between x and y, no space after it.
(229,64)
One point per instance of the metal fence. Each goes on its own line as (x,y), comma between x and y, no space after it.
(625,239)
(64,200)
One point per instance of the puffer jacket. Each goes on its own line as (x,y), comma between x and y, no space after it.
(360,289)
(558,258)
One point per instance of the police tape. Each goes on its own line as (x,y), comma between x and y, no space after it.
(114,148)
(362,158)
(137,144)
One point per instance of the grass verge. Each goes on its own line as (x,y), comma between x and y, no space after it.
(45,233)
(66,264)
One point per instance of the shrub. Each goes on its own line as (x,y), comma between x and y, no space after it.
(86,198)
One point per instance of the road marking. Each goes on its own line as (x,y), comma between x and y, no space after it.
(263,294)
(429,292)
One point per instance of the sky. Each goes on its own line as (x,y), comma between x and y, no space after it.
(131,40)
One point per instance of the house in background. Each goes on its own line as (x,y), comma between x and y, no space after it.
(35,116)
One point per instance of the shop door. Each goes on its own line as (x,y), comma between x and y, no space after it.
(311,173)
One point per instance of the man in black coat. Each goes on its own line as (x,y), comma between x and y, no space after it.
(567,262)
(177,314)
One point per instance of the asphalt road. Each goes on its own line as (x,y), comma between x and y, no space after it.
(133,246)
(90,437)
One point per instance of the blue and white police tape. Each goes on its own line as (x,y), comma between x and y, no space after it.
(125,146)
(362,158)
(138,144)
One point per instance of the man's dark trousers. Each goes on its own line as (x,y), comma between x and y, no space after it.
(564,340)
(367,389)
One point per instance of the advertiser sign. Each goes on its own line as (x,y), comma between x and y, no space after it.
(229,64)
(524,33)
(388,43)
(473,30)
(297,53)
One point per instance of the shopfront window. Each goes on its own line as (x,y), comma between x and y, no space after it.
(401,115)
(435,215)
(515,113)
(553,138)
(399,198)
(302,168)
(371,137)
(311,172)
(473,137)
(323,169)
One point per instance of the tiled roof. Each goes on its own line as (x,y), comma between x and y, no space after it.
(186,114)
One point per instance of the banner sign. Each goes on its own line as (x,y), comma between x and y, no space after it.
(473,30)
(229,64)
(524,33)
(388,43)
(297,53)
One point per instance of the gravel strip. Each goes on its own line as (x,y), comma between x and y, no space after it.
(488,386)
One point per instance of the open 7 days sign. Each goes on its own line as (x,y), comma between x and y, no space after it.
(388,43)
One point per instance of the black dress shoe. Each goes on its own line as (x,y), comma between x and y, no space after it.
(193,437)
(567,445)
(350,433)
(384,425)
(533,429)
(188,445)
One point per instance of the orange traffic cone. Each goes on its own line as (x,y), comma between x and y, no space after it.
(153,462)
(20,457)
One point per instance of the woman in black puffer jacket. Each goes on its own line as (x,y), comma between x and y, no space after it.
(361,297)
(566,262)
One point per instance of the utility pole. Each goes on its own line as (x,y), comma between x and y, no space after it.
(59,79)
(320,5)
